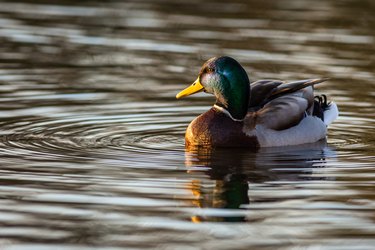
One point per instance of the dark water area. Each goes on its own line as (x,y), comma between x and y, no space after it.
(92,138)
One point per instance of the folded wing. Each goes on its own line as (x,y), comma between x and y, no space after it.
(278,105)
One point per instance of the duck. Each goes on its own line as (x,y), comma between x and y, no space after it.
(264,113)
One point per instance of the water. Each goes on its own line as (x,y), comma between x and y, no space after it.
(91,139)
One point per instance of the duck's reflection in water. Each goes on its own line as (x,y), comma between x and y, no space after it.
(232,170)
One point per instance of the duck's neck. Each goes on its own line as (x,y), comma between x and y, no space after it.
(226,112)
(236,105)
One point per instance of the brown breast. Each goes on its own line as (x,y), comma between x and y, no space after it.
(216,129)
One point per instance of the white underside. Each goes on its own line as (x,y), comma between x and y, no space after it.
(310,129)
(331,113)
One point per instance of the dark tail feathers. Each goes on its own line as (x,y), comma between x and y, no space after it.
(320,105)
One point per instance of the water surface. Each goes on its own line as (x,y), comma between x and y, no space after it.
(92,138)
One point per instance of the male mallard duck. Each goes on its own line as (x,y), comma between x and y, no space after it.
(264,113)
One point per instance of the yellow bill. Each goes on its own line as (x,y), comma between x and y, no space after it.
(194,88)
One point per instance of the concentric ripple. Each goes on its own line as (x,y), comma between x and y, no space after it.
(92,134)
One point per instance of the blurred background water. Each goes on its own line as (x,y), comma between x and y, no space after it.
(92,138)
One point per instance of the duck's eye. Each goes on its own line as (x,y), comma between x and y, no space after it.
(209,70)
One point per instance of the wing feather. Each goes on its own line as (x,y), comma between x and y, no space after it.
(277,105)
(291,87)
(282,113)
(261,90)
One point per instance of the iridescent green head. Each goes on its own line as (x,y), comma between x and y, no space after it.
(225,78)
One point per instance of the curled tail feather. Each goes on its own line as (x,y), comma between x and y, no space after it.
(326,111)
